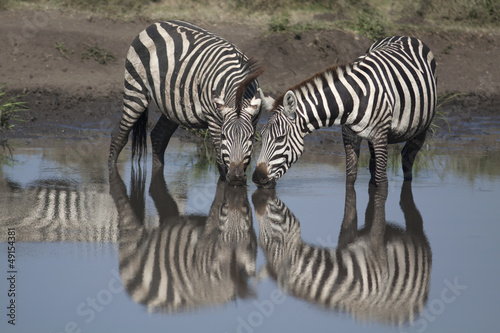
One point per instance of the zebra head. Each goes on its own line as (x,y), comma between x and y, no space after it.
(282,142)
(279,232)
(236,138)
(239,122)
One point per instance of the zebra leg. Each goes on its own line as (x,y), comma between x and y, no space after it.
(379,156)
(215,131)
(134,108)
(349,228)
(372,160)
(160,136)
(352,144)
(409,152)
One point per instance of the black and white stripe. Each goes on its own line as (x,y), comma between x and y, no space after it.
(379,273)
(386,96)
(59,211)
(186,261)
(196,79)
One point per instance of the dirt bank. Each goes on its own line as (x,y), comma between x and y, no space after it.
(41,58)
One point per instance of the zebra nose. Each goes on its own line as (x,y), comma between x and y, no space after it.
(260,176)
(236,175)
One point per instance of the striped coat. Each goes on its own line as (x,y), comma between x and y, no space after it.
(378,273)
(386,96)
(197,80)
(185,262)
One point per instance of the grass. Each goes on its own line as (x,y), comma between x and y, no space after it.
(10,108)
(440,116)
(98,54)
(370,18)
(369,25)
(63,50)
(5,153)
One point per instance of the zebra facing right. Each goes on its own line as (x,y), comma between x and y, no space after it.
(386,96)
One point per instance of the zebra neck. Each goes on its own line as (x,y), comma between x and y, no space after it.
(329,98)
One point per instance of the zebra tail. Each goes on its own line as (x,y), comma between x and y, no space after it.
(139,136)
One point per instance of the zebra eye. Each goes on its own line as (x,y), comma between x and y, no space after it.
(280,139)
(222,136)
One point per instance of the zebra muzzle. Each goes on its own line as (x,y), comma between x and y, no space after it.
(236,175)
(261,177)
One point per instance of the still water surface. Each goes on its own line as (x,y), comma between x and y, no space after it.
(176,251)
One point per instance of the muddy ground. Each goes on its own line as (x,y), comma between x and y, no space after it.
(71,97)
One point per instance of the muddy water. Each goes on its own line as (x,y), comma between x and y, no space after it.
(177,251)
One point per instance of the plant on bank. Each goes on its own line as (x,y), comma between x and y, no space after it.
(440,115)
(10,109)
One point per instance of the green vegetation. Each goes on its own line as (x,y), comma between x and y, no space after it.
(472,12)
(98,54)
(5,153)
(440,116)
(10,108)
(107,8)
(368,25)
(371,18)
(59,46)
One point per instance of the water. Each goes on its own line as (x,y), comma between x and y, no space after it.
(88,253)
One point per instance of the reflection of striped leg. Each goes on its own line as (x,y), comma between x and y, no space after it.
(409,152)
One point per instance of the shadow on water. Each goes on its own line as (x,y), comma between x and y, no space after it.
(187,261)
(380,272)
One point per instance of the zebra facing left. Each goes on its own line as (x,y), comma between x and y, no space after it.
(197,80)
(386,96)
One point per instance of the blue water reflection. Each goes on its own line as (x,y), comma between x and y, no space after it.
(93,255)
(187,261)
(378,273)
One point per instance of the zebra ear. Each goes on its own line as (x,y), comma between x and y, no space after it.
(290,104)
(219,103)
(266,102)
(255,105)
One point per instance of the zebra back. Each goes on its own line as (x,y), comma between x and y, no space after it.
(197,80)
(188,261)
(386,96)
(380,272)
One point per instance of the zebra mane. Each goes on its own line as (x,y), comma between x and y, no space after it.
(253,68)
(321,74)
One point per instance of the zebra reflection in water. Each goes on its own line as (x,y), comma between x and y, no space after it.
(188,261)
(380,272)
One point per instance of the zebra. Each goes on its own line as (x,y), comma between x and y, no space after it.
(379,273)
(386,96)
(187,261)
(197,80)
